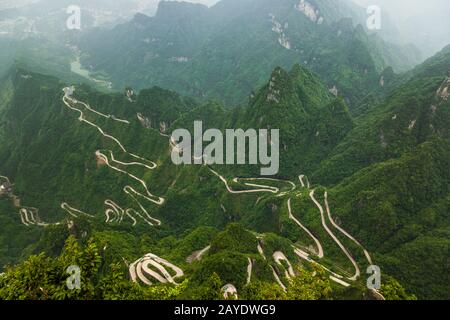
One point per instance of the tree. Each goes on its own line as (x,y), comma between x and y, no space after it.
(115,286)
(309,285)
(259,290)
(391,289)
(211,289)
(41,277)
(166,292)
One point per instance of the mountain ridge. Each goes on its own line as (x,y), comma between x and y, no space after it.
(209,64)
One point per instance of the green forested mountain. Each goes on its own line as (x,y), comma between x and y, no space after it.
(92,172)
(230,49)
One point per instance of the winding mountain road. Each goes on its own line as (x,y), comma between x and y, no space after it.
(113,163)
(277,279)
(197,255)
(268,189)
(73,211)
(293,186)
(344,250)
(29,216)
(155,267)
(280,256)
(249,271)
(229,291)
(149,197)
(319,248)
(141,269)
(366,253)
(115,210)
(303,183)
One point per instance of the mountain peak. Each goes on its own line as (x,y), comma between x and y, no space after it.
(175,9)
(287,98)
(141,18)
(279,83)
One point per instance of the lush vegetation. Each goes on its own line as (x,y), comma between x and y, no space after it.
(386,170)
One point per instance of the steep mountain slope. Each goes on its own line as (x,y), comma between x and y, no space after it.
(400,209)
(34,113)
(392,176)
(230,49)
(414,112)
(311,120)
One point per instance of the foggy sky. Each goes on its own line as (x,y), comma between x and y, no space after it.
(424,23)
(403,10)
(205,2)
